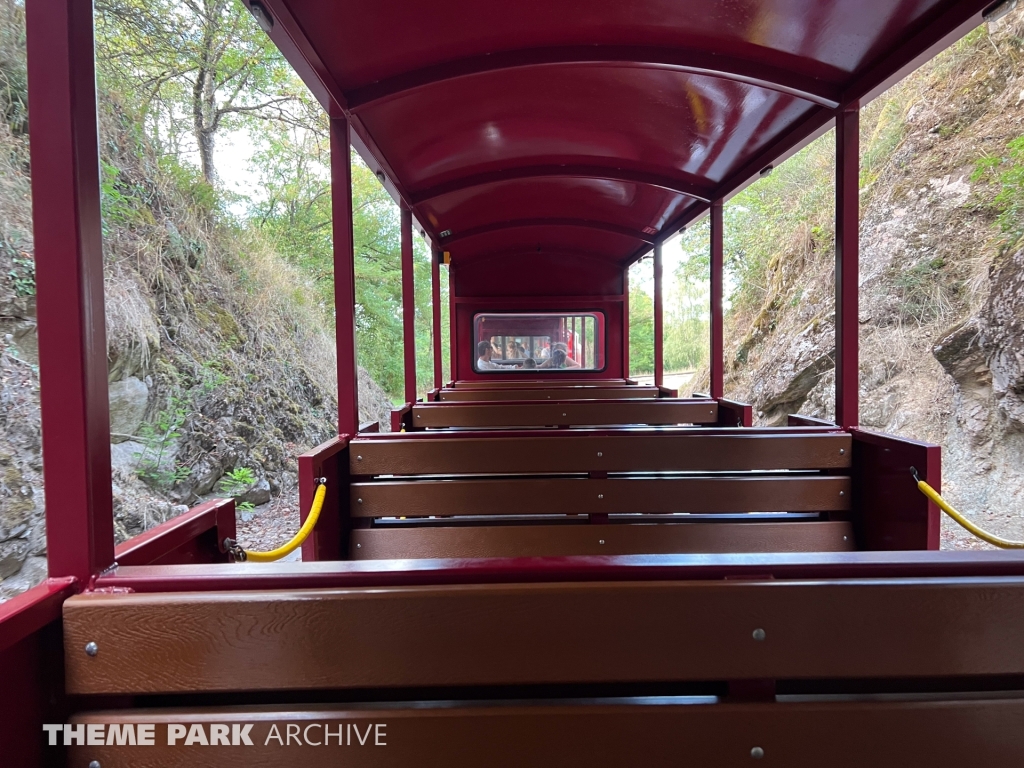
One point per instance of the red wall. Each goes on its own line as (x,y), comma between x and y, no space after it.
(548,283)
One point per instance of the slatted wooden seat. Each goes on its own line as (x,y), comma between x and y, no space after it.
(660,412)
(599,492)
(573,392)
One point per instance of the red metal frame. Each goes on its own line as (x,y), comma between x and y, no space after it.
(69,287)
(659,319)
(717,312)
(330,461)
(847,266)
(408,307)
(194,537)
(344,278)
(435,307)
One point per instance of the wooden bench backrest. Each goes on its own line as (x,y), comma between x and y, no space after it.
(564,413)
(550,393)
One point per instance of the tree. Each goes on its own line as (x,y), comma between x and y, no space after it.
(201,63)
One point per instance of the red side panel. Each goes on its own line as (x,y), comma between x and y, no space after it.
(330,461)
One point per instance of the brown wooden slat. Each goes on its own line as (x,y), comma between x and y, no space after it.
(549,383)
(553,393)
(547,496)
(886,734)
(537,633)
(617,539)
(585,413)
(649,452)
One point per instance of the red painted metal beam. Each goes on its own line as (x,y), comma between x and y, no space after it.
(69,287)
(164,539)
(408,307)
(453,345)
(625,322)
(435,305)
(683,60)
(717,319)
(659,319)
(344,278)
(847,266)
(689,185)
(498,226)
(31,611)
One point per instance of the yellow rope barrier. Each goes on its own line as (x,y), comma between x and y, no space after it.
(982,534)
(276,554)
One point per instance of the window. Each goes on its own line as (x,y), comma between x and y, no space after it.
(542,342)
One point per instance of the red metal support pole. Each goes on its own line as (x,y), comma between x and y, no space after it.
(435,304)
(69,287)
(344,278)
(717,319)
(408,307)
(847,265)
(453,343)
(659,319)
(625,323)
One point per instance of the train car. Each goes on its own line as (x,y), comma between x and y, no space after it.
(542,566)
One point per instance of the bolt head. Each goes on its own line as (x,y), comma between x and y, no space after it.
(842,493)
(842,451)
(599,454)
(359,546)
(600,495)
(359,458)
(757,753)
(359,501)
(600,541)
(759,635)
(94,764)
(91,649)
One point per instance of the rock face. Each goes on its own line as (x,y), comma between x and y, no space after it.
(128,401)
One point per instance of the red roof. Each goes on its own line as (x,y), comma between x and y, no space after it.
(590,127)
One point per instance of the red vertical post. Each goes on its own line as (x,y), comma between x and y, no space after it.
(717,319)
(847,265)
(659,319)
(69,287)
(408,307)
(453,344)
(435,305)
(625,323)
(344,278)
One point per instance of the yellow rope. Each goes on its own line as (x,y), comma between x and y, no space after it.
(291,546)
(982,534)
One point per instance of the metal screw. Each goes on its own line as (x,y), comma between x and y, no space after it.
(846,538)
(359,458)
(419,416)
(600,495)
(842,451)
(842,493)
(359,501)
(759,634)
(599,454)
(94,764)
(757,753)
(564,414)
(600,541)
(91,649)
(359,546)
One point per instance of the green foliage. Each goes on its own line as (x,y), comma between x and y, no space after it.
(923,290)
(237,481)
(1008,173)
(23,274)
(158,437)
(641,331)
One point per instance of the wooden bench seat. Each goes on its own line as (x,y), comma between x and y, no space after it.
(575,392)
(641,491)
(939,732)
(531,634)
(483,415)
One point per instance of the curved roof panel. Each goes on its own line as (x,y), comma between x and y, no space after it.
(594,127)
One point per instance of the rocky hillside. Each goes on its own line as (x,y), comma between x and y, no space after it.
(942,281)
(221,364)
